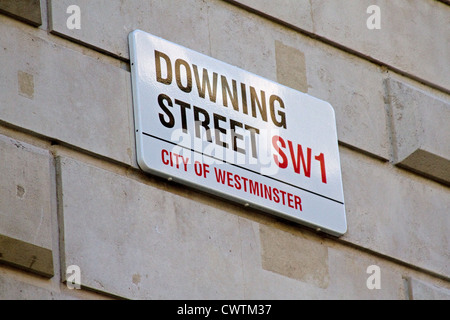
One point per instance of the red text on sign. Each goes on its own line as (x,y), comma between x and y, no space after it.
(174,160)
(301,160)
(258,189)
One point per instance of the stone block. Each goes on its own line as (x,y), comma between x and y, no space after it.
(420,130)
(28,11)
(25,206)
(420,290)
(410,30)
(64,95)
(355,89)
(14,289)
(242,40)
(16,285)
(291,67)
(26,256)
(412,33)
(351,277)
(167,246)
(105,24)
(295,266)
(142,242)
(294,257)
(296,13)
(396,213)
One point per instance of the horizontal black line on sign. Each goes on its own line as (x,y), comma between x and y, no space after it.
(243,168)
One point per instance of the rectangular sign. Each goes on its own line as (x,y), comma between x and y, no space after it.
(212,126)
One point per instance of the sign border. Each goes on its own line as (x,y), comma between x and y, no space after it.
(139,135)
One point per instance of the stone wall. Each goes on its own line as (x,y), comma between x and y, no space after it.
(71,192)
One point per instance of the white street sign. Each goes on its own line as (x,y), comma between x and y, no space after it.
(212,126)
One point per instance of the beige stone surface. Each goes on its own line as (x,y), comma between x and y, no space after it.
(25,192)
(17,285)
(26,256)
(139,241)
(355,89)
(291,67)
(14,289)
(242,40)
(137,236)
(142,241)
(411,31)
(294,257)
(349,276)
(106,24)
(396,213)
(420,290)
(294,12)
(421,130)
(64,95)
(25,10)
(340,272)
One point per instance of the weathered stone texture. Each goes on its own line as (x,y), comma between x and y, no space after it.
(25,10)
(411,30)
(396,213)
(169,246)
(420,130)
(64,95)
(25,187)
(25,206)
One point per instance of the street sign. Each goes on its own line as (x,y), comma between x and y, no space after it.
(223,130)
